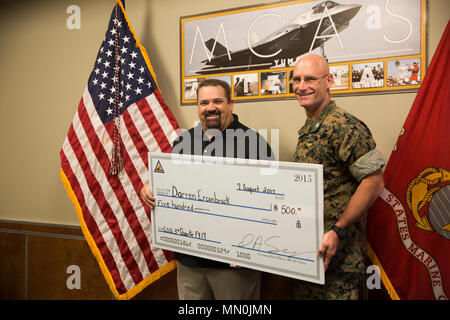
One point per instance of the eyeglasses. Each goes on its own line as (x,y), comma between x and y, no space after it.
(308,80)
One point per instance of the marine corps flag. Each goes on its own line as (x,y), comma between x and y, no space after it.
(408,227)
(120,118)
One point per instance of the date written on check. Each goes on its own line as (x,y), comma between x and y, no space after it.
(257,214)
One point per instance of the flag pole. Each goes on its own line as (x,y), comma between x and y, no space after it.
(116,156)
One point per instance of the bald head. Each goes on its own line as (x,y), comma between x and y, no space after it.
(312,82)
(315,62)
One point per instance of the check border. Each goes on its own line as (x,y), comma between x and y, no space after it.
(318,277)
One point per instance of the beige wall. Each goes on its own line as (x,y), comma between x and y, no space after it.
(44,68)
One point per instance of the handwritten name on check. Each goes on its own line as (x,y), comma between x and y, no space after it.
(263,215)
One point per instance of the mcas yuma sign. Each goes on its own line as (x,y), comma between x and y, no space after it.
(255,48)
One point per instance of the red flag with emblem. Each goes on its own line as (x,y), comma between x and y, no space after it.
(408,228)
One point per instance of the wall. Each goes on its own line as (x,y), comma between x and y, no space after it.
(44,69)
(54,262)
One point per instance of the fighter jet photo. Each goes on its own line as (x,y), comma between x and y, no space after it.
(301,35)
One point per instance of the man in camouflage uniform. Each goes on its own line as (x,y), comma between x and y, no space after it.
(352,179)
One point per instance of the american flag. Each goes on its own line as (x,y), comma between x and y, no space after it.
(113,218)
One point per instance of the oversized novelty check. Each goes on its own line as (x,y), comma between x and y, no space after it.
(261,215)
